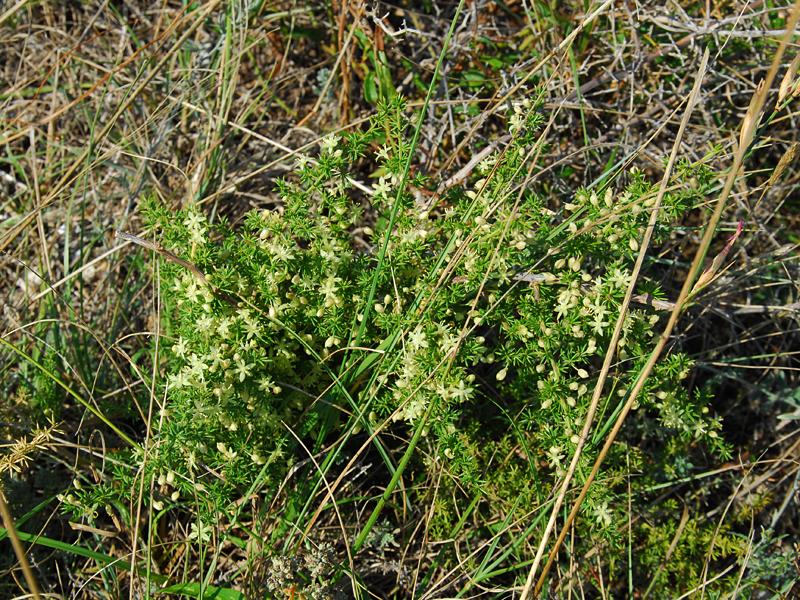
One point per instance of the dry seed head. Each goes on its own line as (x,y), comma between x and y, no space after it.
(21,450)
(787,81)
(785,161)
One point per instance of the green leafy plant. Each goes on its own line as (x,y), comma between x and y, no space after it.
(475,321)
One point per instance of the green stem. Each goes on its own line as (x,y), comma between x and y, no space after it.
(376,512)
(362,536)
(401,187)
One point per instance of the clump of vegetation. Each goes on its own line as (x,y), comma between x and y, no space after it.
(476,322)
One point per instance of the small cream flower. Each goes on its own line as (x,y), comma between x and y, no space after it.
(603,514)
(328,143)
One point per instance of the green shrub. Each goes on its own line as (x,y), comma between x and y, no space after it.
(474,322)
